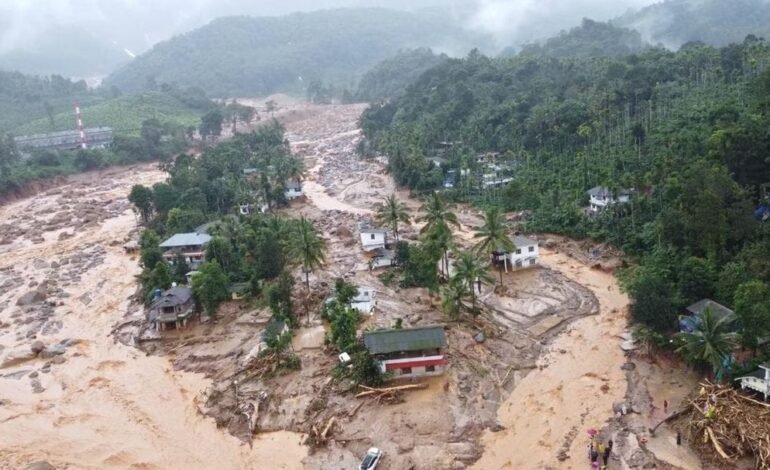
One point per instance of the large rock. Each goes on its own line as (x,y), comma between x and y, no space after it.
(17,357)
(52,351)
(31,297)
(37,347)
(41,465)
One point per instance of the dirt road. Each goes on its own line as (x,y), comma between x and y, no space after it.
(97,404)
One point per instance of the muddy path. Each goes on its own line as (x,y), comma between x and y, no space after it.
(85,401)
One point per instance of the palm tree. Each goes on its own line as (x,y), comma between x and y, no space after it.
(469,270)
(711,341)
(439,241)
(307,248)
(452,299)
(392,212)
(493,235)
(437,212)
(437,218)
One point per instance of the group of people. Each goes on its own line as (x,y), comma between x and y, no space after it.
(597,450)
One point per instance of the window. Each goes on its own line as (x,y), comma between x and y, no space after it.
(406,370)
(518,251)
(531,262)
(372,236)
(430,368)
(531,249)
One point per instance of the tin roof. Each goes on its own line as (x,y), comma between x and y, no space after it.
(186,239)
(407,339)
(520,241)
(173,297)
(718,309)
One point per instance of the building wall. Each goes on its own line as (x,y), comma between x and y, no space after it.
(522,260)
(372,239)
(418,372)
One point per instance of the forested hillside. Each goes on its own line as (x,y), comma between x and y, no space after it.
(243,55)
(590,39)
(715,22)
(392,76)
(687,132)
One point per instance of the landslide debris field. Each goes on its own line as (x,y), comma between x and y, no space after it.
(66,285)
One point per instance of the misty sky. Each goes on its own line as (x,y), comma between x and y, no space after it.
(138,24)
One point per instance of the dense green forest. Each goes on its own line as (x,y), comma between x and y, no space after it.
(714,22)
(686,131)
(392,76)
(590,39)
(243,55)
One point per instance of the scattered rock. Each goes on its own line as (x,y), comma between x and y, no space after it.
(85,299)
(33,375)
(628,366)
(480,337)
(58,360)
(549,243)
(53,351)
(36,386)
(37,347)
(40,264)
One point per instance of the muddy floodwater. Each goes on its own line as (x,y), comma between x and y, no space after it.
(92,403)
(70,394)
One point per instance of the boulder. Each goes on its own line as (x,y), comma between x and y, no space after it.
(17,357)
(37,347)
(31,297)
(41,465)
(480,337)
(52,351)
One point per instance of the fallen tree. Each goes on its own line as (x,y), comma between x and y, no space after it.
(724,421)
(390,394)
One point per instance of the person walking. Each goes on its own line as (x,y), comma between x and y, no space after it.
(606,454)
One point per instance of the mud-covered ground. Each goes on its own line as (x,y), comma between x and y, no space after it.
(523,380)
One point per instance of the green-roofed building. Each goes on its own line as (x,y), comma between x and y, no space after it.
(408,352)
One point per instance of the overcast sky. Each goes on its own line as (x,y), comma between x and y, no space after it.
(138,24)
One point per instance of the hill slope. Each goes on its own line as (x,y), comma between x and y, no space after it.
(243,55)
(590,39)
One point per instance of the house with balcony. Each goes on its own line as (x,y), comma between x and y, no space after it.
(759,380)
(190,246)
(601,197)
(526,253)
(293,190)
(408,352)
(171,307)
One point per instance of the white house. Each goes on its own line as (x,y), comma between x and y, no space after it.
(364,302)
(602,196)
(758,381)
(293,190)
(372,238)
(525,255)
(383,258)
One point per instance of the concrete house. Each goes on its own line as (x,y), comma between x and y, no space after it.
(191,246)
(293,190)
(372,238)
(688,322)
(525,254)
(171,307)
(408,352)
(602,196)
(759,380)
(383,258)
(364,302)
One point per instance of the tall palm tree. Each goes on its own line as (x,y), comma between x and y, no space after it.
(392,212)
(470,270)
(452,299)
(307,248)
(439,240)
(711,341)
(437,212)
(438,216)
(493,235)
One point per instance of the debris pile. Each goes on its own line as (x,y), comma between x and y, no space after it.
(720,419)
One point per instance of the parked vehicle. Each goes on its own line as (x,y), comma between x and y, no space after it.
(371,459)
